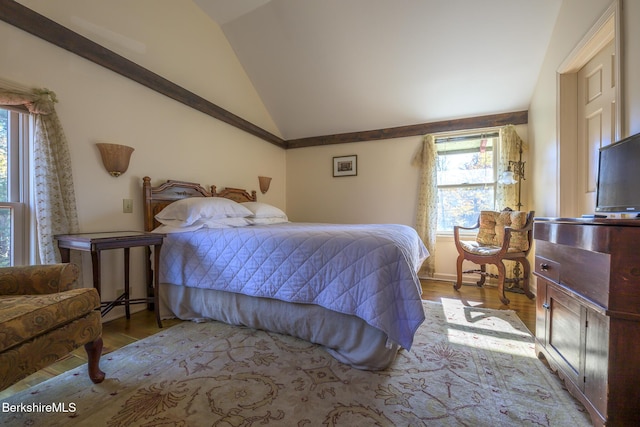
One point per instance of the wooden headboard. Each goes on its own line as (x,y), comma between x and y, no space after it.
(157,198)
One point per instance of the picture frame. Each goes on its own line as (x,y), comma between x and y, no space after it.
(345,166)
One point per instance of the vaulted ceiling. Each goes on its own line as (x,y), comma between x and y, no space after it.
(327,67)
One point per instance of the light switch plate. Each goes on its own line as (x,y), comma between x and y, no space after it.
(127,205)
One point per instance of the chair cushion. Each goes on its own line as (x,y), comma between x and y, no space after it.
(480,249)
(23,317)
(492,226)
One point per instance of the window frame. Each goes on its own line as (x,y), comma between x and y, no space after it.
(19,144)
(470,135)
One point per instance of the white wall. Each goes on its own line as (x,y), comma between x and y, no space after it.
(384,191)
(575,19)
(171,141)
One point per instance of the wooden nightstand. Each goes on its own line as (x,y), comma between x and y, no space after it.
(97,242)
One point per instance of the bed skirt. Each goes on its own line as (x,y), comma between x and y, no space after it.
(347,338)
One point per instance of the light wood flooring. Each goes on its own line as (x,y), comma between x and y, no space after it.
(121,332)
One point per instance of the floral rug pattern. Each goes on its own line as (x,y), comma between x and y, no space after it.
(468,367)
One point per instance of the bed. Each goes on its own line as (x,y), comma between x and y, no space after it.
(351,288)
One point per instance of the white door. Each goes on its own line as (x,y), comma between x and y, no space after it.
(596,121)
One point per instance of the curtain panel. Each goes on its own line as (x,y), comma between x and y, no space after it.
(426,215)
(55,201)
(507,194)
(510,145)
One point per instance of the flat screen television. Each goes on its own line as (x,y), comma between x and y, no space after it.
(618,184)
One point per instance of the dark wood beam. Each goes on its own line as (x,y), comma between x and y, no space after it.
(40,26)
(516,118)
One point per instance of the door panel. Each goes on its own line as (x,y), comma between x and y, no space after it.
(565,332)
(596,121)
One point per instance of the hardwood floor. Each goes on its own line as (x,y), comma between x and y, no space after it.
(121,332)
(486,297)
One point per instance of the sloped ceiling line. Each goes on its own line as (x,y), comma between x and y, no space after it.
(40,26)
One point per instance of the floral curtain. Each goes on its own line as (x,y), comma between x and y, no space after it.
(510,145)
(55,201)
(426,217)
(507,194)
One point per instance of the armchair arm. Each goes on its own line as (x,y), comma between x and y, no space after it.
(457,228)
(456,234)
(38,279)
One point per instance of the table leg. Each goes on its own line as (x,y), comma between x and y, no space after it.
(65,254)
(127,297)
(95,267)
(156,283)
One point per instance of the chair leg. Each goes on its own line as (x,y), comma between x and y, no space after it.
(94,351)
(502,272)
(458,283)
(483,269)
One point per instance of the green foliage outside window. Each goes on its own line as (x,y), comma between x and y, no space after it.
(466,181)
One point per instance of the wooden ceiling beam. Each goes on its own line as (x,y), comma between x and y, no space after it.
(515,118)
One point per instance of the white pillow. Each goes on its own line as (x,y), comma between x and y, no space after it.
(168,229)
(186,212)
(264,210)
(226,222)
(266,221)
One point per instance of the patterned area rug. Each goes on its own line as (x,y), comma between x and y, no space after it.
(468,367)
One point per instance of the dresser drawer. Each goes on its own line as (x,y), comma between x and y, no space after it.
(582,271)
(547,268)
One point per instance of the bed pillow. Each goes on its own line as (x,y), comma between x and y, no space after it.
(206,223)
(225,222)
(263,221)
(187,212)
(264,210)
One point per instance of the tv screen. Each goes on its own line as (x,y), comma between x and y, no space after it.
(618,185)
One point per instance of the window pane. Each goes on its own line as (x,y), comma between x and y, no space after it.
(4,140)
(461,205)
(5,237)
(465,168)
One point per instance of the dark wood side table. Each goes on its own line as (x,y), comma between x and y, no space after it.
(97,242)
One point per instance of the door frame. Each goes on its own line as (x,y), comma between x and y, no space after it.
(607,28)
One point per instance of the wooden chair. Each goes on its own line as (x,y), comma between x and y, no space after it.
(505,235)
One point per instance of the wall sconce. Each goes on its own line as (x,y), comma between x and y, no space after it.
(115,157)
(265,181)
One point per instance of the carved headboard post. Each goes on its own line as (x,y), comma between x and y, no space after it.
(236,194)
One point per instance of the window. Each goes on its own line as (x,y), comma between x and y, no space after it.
(466,178)
(14,173)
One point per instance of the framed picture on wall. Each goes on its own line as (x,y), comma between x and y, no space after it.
(345,166)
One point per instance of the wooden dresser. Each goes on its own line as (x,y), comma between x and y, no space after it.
(588,312)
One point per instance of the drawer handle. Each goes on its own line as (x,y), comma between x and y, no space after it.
(546,305)
(544,267)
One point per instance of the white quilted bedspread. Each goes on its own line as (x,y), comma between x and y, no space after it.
(364,270)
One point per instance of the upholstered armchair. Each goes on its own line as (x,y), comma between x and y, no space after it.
(43,318)
(505,235)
